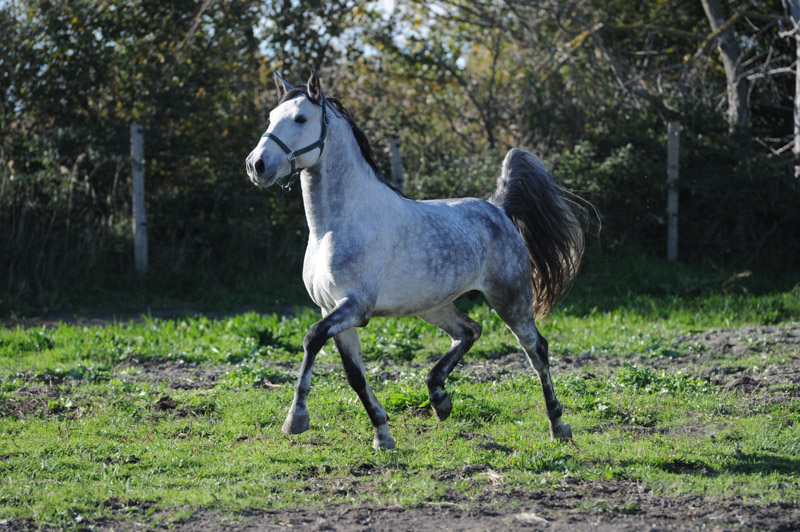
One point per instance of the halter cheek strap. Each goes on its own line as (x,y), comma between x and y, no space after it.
(286,181)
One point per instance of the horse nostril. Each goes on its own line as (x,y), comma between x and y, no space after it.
(260,166)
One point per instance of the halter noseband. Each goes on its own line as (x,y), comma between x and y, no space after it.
(286,181)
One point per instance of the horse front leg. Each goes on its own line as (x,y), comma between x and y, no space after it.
(345,315)
(350,351)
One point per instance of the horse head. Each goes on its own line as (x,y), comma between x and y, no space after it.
(295,137)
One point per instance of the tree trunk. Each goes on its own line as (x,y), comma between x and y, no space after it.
(738,109)
(793,7)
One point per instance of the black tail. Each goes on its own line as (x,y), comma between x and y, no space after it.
(549,227)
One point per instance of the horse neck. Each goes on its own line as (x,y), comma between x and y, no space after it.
(341,187)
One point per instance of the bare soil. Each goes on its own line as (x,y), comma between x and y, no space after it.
(605,506)
(573,505)
(177,375)
(601,505)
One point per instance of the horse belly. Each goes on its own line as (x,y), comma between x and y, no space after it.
(427,281)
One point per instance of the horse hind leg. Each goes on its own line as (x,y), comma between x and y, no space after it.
(350,350)
(519,318)
(463,332)
(541,363)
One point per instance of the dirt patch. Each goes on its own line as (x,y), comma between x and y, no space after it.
(715,356)
(605,506)
(775,340)
(27,401)
(776,382)
(178,375)
(165,403)
(497,368)
(34,399)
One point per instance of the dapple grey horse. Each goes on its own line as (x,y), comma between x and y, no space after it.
(374,252)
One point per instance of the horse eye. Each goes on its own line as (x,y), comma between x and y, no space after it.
(300,119)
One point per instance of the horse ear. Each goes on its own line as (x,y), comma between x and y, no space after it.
(281,84)
(313,86)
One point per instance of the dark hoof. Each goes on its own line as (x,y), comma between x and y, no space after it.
(561,431)
(443,408)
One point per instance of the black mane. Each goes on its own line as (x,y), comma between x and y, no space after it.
(361,138)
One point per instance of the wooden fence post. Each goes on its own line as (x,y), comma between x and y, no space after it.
(397,164)
(673,149)
(139,215)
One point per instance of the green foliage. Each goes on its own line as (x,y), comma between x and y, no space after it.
(83,73)
(457,83)
(312,34)
(27,340)
(247,376)
(732,202)
(76,373)
(629,376)
(657,287)
(90,430)
(402,398)
(397,339)
(602,398)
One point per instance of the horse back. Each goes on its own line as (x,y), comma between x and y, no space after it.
(446,248)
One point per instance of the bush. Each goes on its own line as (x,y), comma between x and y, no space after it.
(737,206)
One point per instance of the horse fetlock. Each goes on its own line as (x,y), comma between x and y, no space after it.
(379,418)
(296,422)
(560,431)
(554,410)
(441,404)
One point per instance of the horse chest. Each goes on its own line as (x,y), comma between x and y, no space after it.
(328,271)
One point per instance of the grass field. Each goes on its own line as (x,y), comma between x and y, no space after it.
(686,391)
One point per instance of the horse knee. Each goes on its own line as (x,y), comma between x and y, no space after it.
(378,416)
(541,345)
(554,410)
(537,353)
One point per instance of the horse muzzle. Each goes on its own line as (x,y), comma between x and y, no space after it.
(261,173)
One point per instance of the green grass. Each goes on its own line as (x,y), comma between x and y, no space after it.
(88,432)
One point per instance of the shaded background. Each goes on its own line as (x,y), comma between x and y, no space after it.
(589,86)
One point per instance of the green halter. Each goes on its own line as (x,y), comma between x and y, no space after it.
(286,181)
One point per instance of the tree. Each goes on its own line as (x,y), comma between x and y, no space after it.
(80,73)
(738,109)
(793,9)
(310,34)
(586,85)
